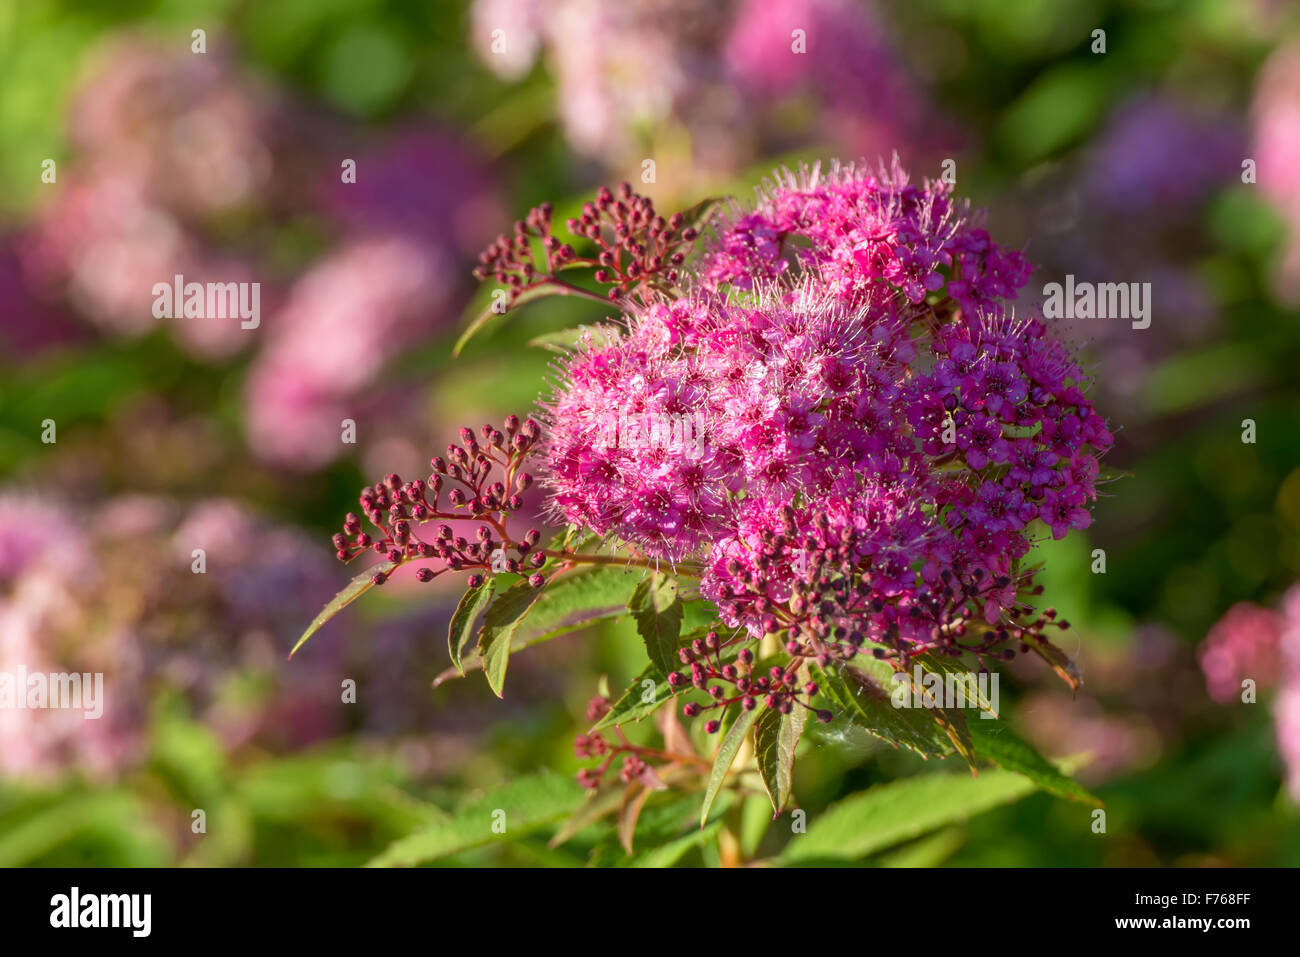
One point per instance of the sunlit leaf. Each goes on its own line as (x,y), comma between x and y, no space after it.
(658,613)
(775,737)
(735,737)
(468,609)
(889,814)
(498,631)
(996,742)
(522,806)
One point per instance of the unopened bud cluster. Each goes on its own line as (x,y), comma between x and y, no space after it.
(637,250)
(780,688)
(481,479)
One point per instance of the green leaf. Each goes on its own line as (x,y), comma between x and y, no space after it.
(354,590)
(775,737)
(498,631)
(471,605)
(487,313)
(699,215)
(567,603)
(576,599)
(899,811)
(929,851)
(666,855)
(631,705)
(726,754)
(864,695)
(964,684)
(998,743)
(658,614)
(528,804)
(563,341)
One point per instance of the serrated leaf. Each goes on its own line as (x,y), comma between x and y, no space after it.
(889,814)
(631,705)
(998,743)
(468,609)
(726,754)
(354,590)
(658,614)
(576,599)
(859,693)
(528,804)
(498,631)
(775,737)
(567,603)
(961,685)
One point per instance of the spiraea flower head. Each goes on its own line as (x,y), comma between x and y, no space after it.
(833,417)
(878,436)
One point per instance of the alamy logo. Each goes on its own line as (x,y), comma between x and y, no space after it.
(133,911)
(949,690)
(673,432)
(1105,300)
(215,300)
(62,690)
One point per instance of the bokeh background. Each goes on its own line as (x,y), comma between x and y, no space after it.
(181,434)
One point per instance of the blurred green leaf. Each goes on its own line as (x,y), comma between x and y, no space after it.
(520,807)
(889,814)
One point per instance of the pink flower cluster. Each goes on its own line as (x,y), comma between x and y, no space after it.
(1252,642)
(880,431)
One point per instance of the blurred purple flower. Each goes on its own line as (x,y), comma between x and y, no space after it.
(1159,156)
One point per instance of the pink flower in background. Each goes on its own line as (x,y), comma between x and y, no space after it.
(1262,645)
(707,77)
(104,244)
(110,589)
(1275,113)
(165,144)
(422,184)
(28,324)
(343,321)
(874,106)
(193,130)
(1243,644)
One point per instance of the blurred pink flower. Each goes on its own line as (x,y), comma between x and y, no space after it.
(111,589)
(1243,644)
(707,74)
(192,129)
(1275,113)
(1254,642)
(342,322)
(165,142)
